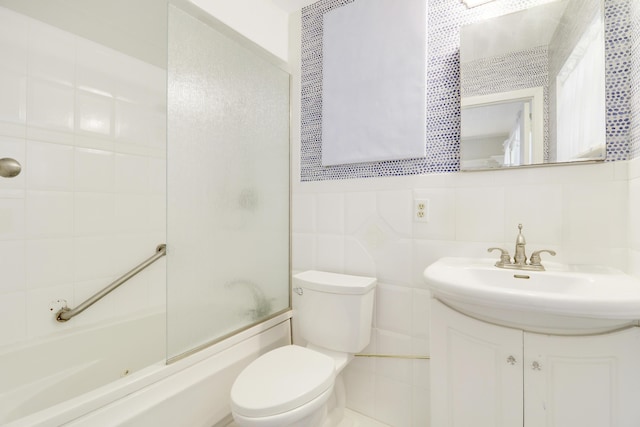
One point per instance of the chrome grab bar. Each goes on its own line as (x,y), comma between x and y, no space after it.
(66,313)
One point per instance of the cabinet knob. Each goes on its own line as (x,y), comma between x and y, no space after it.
(536,366)
(511,360)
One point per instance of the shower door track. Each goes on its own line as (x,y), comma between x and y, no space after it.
(66,313)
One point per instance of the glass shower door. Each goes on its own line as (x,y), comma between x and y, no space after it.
(228,183)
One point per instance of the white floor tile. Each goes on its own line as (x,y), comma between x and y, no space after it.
(351,419)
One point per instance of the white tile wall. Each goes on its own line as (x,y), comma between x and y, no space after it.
(51,166)
(12,147)
(12,254)
(54,258)
(87,125)
(12,217)
(479,213)
(366,227)
(634,214)
(58,206)
(537,206)
(330,217)
(13,319)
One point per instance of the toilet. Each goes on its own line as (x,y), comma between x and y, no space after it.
(295,386)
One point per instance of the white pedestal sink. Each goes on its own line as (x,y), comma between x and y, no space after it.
(564,299)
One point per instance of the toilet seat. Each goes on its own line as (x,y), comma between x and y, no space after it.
(281,380)
(290,417)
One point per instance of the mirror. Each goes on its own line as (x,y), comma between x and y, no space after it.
(533,87)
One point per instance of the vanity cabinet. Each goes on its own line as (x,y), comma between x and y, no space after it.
(487,375)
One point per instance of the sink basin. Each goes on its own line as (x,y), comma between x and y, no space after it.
(564,299)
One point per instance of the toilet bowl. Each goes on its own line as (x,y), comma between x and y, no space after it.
(289,386)
(294,386)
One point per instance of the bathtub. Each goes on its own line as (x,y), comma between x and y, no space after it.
(192,391)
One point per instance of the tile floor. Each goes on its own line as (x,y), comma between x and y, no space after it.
(351,419)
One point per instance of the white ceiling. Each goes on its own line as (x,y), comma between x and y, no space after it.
(291,5)
(512,32)
(137,28)
(488,120)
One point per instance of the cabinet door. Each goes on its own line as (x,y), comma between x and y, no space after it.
(476,372)
(588,381)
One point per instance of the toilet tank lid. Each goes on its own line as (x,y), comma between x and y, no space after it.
(334,283)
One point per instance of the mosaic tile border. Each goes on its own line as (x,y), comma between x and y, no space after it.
(618,75)
(443,89)
(635,80)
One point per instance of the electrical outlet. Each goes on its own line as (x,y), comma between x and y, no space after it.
(421,210)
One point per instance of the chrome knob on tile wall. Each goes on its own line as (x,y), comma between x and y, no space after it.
(9,167)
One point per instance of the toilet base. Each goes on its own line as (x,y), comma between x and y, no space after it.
(315,419)
(336,404)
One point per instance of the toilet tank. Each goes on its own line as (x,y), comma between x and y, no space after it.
(335,311)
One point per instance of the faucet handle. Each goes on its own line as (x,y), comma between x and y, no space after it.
(535,256)
(520,240)
(504,256)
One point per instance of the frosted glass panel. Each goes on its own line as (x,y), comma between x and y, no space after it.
(228,184)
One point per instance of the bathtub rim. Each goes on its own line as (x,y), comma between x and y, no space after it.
(84,404)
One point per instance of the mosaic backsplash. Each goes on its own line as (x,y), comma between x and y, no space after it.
(635,81)
(443,88)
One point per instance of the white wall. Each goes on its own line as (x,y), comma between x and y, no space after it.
(259,20)
(633,230)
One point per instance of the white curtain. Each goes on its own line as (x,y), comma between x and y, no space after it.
(581,98)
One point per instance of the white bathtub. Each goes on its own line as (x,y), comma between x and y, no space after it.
(190,392)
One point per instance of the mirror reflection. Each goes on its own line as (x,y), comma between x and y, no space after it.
(533,87)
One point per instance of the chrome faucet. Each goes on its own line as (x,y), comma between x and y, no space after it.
(520,257)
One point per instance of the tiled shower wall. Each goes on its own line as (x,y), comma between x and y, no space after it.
(366,226)
(88,126)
